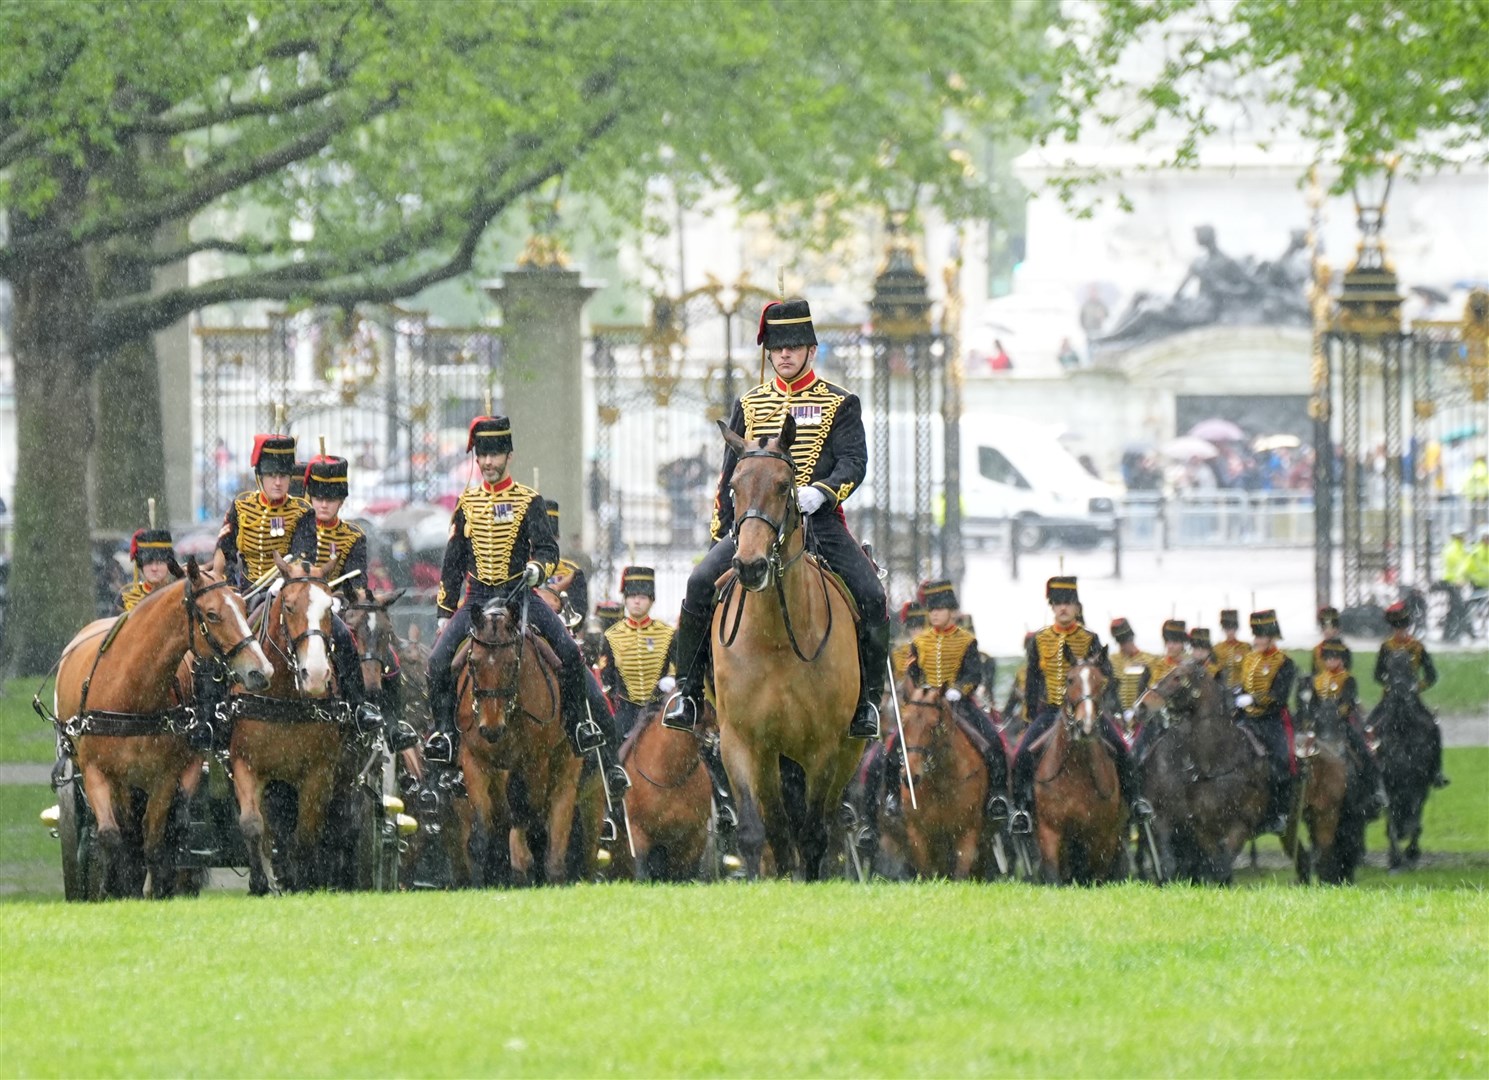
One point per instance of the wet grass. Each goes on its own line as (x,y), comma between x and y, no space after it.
(24,736)
(754,981)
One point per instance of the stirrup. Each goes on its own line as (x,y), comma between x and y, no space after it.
(997,807)
(586,736)
(680,713)
(400,735)
(725,819)
(439,749)
(1142,809)
(609,832)
(865,723)
(1020,823)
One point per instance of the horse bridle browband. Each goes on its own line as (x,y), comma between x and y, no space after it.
(292,650)
(196,621)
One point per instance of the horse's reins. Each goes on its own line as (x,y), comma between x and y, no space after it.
(776,565)
(1067,716)
(633,765)
(289,710)
(927,751)
(508,691)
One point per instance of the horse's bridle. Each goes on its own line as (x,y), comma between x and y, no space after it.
(196,622)
(508,691)
(1068,716)
(290,655)
(367,654)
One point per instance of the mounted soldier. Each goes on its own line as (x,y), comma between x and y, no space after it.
(830,451)
(1328,624)
(1425,677)
(1230,651)
(260,524)
(1049,657)
(1202,652)
(1132,668)
(1266,685)
(151,551)
(1175,638)
(321,538)
(1332,686)
(945,656)
(501,545)
(636,652)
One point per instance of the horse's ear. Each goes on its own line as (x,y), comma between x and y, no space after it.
(732,438)
(286,567)
(788,432)
(174,567)
(193,571)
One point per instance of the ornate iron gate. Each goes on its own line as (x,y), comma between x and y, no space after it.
(391,393)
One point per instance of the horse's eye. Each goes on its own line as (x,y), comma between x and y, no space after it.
(212,616)
(290,609)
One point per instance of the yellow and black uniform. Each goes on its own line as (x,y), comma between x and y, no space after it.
(1266,685)
(496,530)
(145,546)
(255,530)
(946,657)
(1423,669)
(133,593)
(1132,675)
(1044,685)
(341,543)
(634,656)
(1267,678)
(1174,633)
(1337,686)
(1318,655)
(1228,656)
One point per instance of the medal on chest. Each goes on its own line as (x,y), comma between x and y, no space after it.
(806,415)
(650,644)
(276,526)
(503,513)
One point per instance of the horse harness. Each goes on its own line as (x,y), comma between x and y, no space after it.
(507,692)
(276,710)
(777,566)
(927,752)
(173,721)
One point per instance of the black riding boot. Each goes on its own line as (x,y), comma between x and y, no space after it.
(583,729)
(1023,793)
(443,745)
(1132,786)
(1370,778)
(723,793)
(873,658)
(400,734)
(1439,779)
(690,648)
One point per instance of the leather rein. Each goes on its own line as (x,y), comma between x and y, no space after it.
(783,530)
(507,692)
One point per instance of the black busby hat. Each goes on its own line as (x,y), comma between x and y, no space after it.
(1199,637)
(150,545)
(325,477)
(1121,631)
(784,323)
(1264,624)
(1061,590)
(638,581)
(551,505)
(1337,650)
(273,455)
(1173,630)
(489,435)
(1328,616)
(940,594)
(912,615)
(1230,619)
(609,612)
(1397,615)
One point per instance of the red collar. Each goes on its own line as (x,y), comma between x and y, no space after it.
(264,499)
(953,628)
(638,625)
(799,385)
(498,488)
(1268,651)
(335,521)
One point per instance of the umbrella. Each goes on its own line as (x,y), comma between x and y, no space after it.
(1217,430)
(1276,442)
(1187,446)
(1469,431)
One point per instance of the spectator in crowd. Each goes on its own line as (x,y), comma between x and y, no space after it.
(1000,360)
(1069,358)
(1094,314)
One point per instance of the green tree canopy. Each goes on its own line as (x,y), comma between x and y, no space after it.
(377,141)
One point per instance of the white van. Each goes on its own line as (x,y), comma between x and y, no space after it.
(1017,471)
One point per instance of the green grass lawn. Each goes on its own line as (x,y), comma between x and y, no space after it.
(1462,681)
(760,980)
(24,736)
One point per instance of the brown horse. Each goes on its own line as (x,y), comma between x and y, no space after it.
(1081,823)
(669,801)
(523,780)
(942,835)
(117,688)
(291,732)
(1331,796)
(785,667)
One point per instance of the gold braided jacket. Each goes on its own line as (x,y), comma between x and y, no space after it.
(1129,683)
(1049,649)
(133,593)
(260,531)
(1333,684)
(943,657)
(640,652)
(1229,654)
(493,522)
(1258,672)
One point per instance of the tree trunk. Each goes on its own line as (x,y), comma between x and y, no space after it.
(129,455)
(51,575)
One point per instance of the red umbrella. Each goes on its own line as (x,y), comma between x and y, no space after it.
(1217,430)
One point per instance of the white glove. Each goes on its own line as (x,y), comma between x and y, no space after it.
(1243,700)
(532,574)
(953,695)
(1127,716)
(810,499)
(439,625)
(275,586)
(666,684)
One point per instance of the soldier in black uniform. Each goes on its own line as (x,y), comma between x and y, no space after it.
(1044,693)
(321,537)
(152,551)
(831,455)
(1267,677)
(1332,687)
(568,579)
(259,524)
(500,543)
(1401,640)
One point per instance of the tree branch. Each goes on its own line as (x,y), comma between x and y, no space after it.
(209,187)
(180,124)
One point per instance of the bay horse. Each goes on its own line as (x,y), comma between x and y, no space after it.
(118,691)
(786,672)
(1207,781)
(291,732)
(1405,729)
(524,782)
(1332,795)
(943,834)
(1080,821)
(670,798)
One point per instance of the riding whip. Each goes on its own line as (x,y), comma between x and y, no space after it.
(899,724)
(605,785)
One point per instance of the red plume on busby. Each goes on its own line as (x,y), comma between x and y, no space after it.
(326,477)
(273,455)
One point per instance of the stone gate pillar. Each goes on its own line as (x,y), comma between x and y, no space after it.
(543,384)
